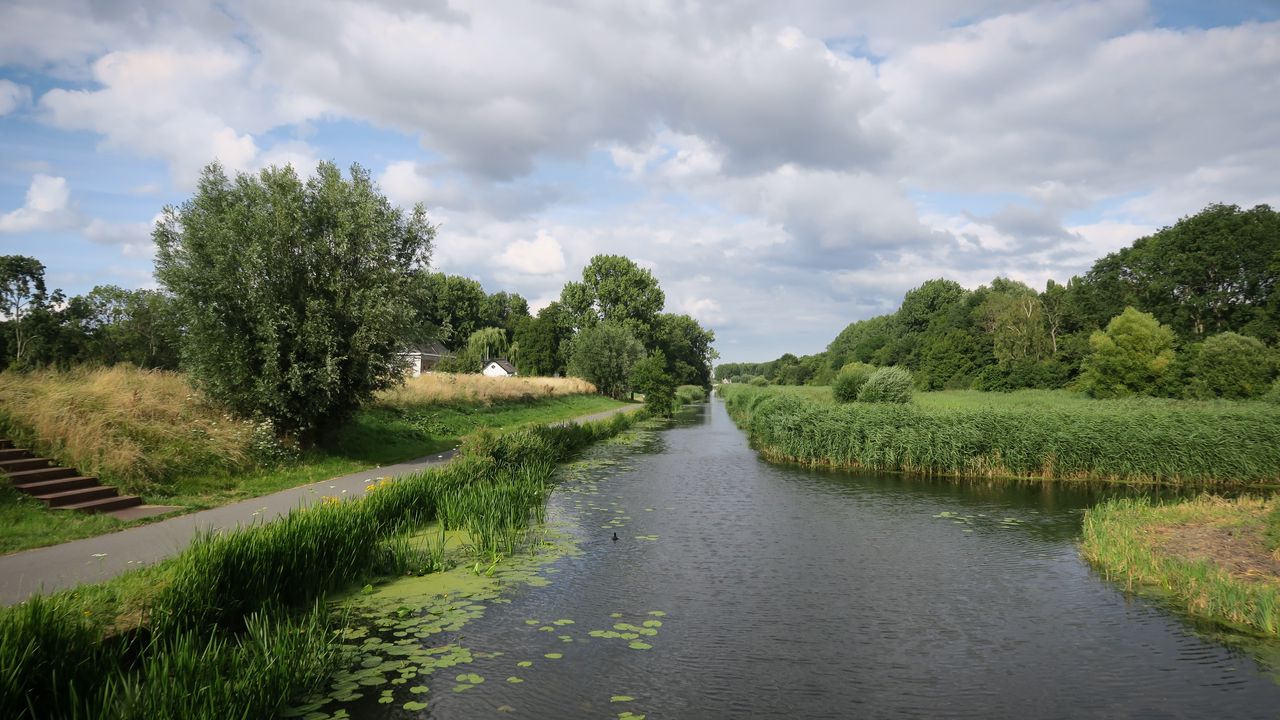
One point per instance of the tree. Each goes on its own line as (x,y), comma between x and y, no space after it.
(541,339)
(504,310)
(1231,366)
(614,289)
(1014,317)
(135,326)
(447,308)
(484,344)
(1132,357)
(687,348)
(604,355)
(22,291)
(649,376)
(293,294)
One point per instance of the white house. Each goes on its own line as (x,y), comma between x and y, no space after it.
(499,367)
(425,357)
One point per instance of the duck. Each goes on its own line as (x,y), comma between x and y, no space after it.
(615,537)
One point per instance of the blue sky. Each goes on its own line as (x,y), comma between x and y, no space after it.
(782,172)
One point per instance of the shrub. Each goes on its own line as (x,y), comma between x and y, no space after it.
(1274,395)
(1132,357)
(850,380)
(759,381)
(1230,366)
(887,385)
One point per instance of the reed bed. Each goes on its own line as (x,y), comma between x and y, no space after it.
(457,389)
(1190,443)
(1121,538)
(233,627)
(135,427)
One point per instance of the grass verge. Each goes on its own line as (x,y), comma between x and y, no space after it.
(1043,435)
(1210,556)
(132,427)
(232,627)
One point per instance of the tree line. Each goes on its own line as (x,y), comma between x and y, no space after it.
(292,300)
(1194,310)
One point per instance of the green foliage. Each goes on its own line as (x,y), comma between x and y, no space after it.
(484,344)
(1273,395)
(603,355)
(1271,527)
(686,394)
(540,340)
(450,308)
(887,385)
(1132,357)
(850,380)
(294,294)
(22,294)
(759,381)
(615,289)
(1139,439)
(141,327)
(649,376)
(687,348)
(1230,366)
(1022,375)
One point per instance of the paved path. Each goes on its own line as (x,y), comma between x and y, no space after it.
(95,559)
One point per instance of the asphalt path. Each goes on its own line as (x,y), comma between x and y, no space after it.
(95,559)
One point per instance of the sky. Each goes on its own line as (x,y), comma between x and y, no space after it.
(782,172)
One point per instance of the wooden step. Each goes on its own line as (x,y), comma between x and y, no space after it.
(119,502)
(77,496)
(15,454)
(44,487)
(46,473)
(5,443)
(31,463)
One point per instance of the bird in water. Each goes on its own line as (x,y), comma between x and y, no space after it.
(615,537)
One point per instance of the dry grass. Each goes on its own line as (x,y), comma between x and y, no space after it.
(140,428)
(451,389)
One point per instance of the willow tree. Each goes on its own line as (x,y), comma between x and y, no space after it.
(294,293)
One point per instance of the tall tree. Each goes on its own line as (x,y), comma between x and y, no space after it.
(294,294)
(615,289)
(22,291)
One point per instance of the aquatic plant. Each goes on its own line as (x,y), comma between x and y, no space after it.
(1131,440)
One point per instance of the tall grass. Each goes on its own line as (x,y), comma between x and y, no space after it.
(132,426)
(219,634)
(1121,536)
(456,389)
(690,394)
(1194,443)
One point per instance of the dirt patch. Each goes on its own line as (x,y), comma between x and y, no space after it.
(1238,550)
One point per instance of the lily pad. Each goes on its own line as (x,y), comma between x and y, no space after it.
(553,656)
(415,705)
(639,645)
(620,698)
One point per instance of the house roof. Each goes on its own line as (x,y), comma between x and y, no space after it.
(430,348)
(502,363)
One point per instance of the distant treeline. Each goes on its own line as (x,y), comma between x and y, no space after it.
(1209,274)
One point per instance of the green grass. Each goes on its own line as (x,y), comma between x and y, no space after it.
(377,436)
(1039,434)
(1120,538)
(234,626)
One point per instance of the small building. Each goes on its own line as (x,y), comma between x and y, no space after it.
(424,358)
(499,367)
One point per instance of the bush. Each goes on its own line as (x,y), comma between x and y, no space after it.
(887,385)
(1230,366)
(759,381)
(1274,395)
(850,380)
(1132,357)
(1021,375)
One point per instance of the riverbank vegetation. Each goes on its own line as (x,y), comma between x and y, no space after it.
(1215,558)
(151,433)
(234,626)
(1048,435)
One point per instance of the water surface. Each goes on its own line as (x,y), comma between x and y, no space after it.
(786,592)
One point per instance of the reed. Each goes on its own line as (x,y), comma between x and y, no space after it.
(1122,539)
(1177,443)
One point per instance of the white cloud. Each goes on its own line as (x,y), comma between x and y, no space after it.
(12,96)
(47,207)
(540,256)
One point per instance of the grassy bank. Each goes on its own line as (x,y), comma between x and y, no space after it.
(151,434)
(1042,434)
(1217,559)
(196,636)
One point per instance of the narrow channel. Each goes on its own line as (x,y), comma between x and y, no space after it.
(786,592)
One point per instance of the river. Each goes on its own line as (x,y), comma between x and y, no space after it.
(738,588)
